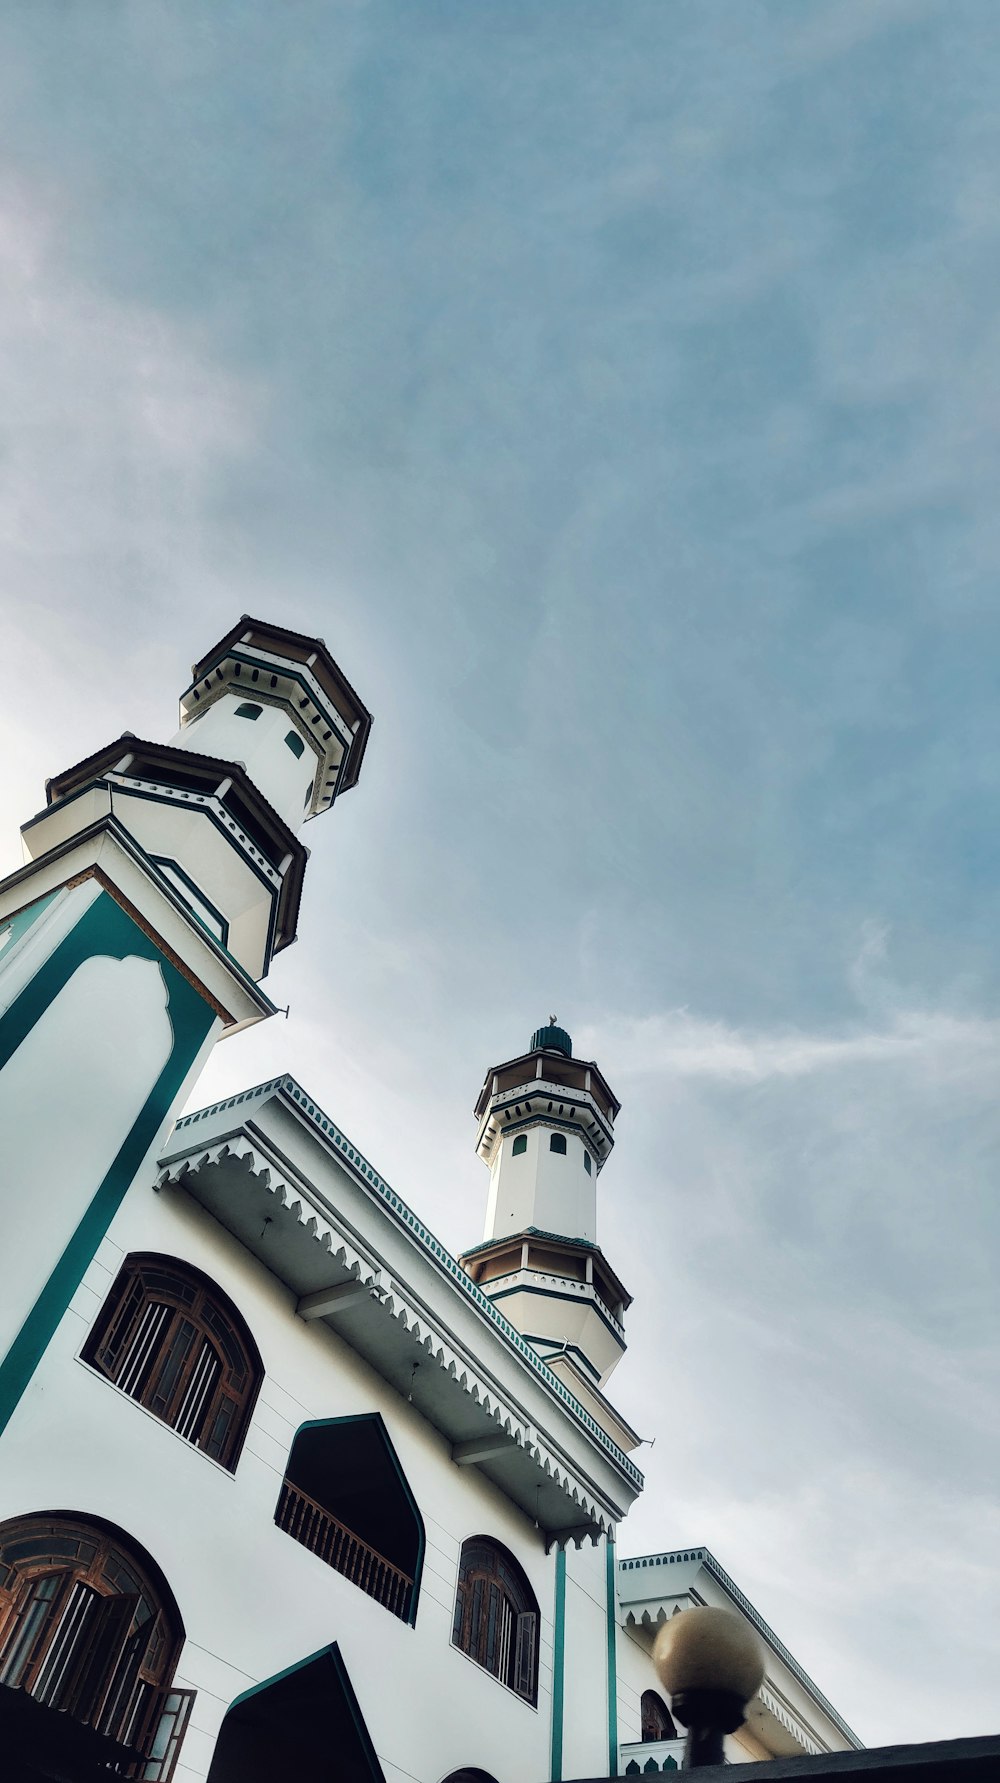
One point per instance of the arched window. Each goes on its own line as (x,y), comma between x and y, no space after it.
(557,1143)
(247,710)
(469,1775)
(520,1145)
(496,1616)
(295,743)
(171,1339)
(88,1628)
(657,1721)
(586,1162)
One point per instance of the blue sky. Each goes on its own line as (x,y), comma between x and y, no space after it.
(616,388)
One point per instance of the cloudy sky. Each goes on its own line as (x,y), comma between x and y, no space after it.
(616,388)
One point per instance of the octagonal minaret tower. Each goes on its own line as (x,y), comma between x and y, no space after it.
(546,1130)
(159,881)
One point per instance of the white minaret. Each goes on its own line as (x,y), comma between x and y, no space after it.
(546,1130)
(159,881)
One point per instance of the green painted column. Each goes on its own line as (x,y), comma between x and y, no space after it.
(611,1585)
(558,1665)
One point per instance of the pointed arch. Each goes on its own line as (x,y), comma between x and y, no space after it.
(292,1724)
(346,1498)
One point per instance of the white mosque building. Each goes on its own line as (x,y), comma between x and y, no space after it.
(286,1490)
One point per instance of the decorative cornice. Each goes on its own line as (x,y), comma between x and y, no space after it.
(322,1225)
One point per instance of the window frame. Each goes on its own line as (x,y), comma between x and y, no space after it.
(105,1650)
(171,1340)
(490,1579)
(557,1144)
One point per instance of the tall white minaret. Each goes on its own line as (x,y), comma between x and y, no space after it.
(159,881)
(546,1130)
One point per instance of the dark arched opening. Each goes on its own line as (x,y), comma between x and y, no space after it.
(657,1721)
(346,1498)
(90,1635)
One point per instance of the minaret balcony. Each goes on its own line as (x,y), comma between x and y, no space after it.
(545,1099)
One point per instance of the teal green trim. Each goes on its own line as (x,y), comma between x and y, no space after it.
(104,929)
(558,1665)
(610,1579)
(166,860)
(377,1419)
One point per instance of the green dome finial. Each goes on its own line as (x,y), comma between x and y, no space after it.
(552,1039)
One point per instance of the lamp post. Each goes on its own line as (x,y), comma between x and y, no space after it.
(710,1664)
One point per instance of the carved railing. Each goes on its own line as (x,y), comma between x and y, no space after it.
(331,1541)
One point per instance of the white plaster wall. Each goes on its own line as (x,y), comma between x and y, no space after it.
(259,743)
(69,1096)
(541,1188)
(253,1601)
(187,835)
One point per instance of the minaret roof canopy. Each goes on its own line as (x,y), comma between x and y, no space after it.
(557,1068)
(313,654)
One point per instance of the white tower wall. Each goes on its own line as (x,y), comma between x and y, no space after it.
(261,745)
(542,1188)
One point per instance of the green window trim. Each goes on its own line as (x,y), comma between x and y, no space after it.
(520,1145)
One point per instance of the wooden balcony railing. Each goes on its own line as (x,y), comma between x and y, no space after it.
(325,1536)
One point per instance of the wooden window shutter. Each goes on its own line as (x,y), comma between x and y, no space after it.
(166,1741)
(524,1654)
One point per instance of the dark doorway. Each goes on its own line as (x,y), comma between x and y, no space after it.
(304,1723)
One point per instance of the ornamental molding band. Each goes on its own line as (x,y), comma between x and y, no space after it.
(547,1487)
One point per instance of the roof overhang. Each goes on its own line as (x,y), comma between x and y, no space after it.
(474,1377)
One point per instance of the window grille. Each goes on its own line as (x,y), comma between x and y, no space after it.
(171,1340)
(496,1616)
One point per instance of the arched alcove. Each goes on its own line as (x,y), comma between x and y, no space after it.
(303,1723)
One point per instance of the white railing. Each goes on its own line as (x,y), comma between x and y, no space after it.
(644,1757)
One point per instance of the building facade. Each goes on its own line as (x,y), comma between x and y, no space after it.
(285,1488)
